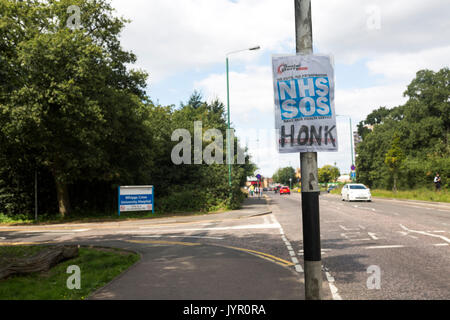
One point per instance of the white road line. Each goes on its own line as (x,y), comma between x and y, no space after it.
(347,229)
(163,236)
(297,265)
(440,244)
(372,235)
(386,247)
(426,233)
(55,231)
(333,288)
(250,226)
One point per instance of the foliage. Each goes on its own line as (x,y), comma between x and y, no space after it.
(328,173)
(283,175)
(72,110)
(411,140)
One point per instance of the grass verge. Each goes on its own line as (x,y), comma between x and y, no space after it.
(418,194)
(98,267)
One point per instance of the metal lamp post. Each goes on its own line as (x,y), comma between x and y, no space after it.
(228,111)
(351,137)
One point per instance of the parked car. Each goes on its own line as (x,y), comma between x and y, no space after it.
(331,188)
(355,192)
(285,190)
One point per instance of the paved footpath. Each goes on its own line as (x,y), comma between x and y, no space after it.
(189,268)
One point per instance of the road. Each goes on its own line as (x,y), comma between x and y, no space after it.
(408,242)
(256,253)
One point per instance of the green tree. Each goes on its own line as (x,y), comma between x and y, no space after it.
(422,125)
(72,87)
(394,158)
(328,173)
(283,175)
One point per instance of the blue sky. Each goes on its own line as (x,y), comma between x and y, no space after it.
(377,48)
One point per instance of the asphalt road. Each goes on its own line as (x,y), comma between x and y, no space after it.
(406,242)
(256,253)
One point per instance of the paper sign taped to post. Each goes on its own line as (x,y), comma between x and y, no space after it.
(305,118)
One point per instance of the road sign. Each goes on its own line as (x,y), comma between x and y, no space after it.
(353,167)
(305,118)
(353,175)
(258,176)
(136,198)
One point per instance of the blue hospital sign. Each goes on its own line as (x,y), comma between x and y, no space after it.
(135,198)
(305,118)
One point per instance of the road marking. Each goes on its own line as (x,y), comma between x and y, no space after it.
(333,288)
(295,262)
(347,229)
(386,247)
(197,237)
(164,242)
(372,235)
(440,244)
(264,255)
(250,226)
(53,231)
(426,233)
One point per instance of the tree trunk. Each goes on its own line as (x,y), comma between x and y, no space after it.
(62,194)
(395,183)
(42,261)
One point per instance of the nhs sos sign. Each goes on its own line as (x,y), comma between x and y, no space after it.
(305,97)
(305,118)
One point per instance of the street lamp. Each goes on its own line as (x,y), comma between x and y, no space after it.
(351,137)
(228,110)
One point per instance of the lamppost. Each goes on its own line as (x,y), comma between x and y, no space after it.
(351,138)
(228,111)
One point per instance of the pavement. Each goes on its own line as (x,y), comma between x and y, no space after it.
(182,266)
(181,270)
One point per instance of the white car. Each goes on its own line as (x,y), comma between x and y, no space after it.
(355,192)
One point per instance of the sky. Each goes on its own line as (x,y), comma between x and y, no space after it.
(377,47)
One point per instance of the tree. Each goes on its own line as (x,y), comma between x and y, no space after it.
(283,175)
(328,173)
(72,87)
(422,125)
(393,159)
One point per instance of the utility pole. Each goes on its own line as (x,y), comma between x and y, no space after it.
(35,195)
(309,175)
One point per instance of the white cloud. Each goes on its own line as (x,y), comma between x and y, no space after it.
(174,36)
(403,66)
(178,36)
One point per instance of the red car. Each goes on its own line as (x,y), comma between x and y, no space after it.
(285,190)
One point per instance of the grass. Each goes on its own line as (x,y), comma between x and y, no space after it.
(98,217)
(98,267)
(418,194)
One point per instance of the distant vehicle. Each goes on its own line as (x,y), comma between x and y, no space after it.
(355,192)
(331,188)
(264,189)
(285,190)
